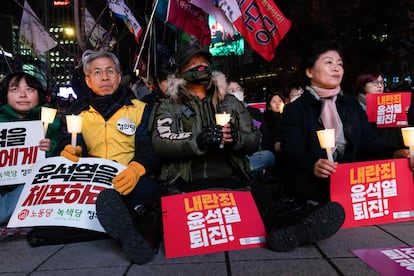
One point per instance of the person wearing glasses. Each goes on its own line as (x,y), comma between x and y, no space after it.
(371,82)
(187,138)
(115,127)
(368,83)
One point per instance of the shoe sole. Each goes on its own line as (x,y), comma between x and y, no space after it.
(320,224)
(115,219)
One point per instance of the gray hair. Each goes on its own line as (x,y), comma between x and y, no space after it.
(89,55)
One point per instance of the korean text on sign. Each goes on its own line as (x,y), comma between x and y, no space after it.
(209,218)
(402,256)
(371,187)
(388,108)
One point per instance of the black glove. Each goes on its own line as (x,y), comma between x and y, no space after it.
(234,133)
(210,135)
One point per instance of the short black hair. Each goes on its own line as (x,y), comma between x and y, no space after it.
(317,48)
(313,52)
(31,81)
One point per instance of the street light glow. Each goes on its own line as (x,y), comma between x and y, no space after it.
(69,31)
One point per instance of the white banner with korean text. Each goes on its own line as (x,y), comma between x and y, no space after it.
(59,192)
(19,150)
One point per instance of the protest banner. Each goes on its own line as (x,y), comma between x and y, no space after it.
(374,192)
(59,192)
(388,261)
(388,109)
(19,152)
(259,105)
(210,221)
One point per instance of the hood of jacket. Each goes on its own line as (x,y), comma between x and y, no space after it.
(177,91)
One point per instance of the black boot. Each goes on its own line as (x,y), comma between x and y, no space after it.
(283,212)
(49,235)
(315,224)
(114,217)
(148,221)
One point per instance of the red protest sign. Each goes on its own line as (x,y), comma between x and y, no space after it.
(374,192)
(210,221)
(388,109)
(260,105)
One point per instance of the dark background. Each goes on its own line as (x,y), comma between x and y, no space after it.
(376,35)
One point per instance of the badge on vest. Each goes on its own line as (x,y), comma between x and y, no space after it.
(126,126)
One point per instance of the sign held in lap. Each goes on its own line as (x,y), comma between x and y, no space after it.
(59,192)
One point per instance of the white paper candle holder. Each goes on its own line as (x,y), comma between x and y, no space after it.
(327,140)
(47,116)
(74,125)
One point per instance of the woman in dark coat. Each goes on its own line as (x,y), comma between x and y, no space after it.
(323,105)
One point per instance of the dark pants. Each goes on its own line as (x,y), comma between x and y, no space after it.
(147,190)
(303,185)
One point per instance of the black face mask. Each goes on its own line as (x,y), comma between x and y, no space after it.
(198,75)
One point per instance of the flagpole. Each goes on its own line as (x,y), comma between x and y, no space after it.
(145,36)
(79,22)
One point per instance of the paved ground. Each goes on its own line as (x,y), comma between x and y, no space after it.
(104,257)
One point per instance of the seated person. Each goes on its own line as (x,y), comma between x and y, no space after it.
(262,159)
(105,112)
(186,137)
(323,105)
(23,96)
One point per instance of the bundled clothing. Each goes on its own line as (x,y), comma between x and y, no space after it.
(181,117)
(9,195)
(300,145)
(115,127)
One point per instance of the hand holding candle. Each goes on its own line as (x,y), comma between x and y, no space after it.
(327,141)
(222,119)
(408,137)
(47,116)
(281,107)
(74,124)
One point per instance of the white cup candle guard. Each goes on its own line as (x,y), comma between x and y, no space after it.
(281,107)
(221,120)
(327,141)
(47,116)
(74,124)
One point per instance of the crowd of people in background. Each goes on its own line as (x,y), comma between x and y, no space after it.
(176,145)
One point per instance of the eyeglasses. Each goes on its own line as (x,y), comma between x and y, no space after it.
(377,82)
(97,73)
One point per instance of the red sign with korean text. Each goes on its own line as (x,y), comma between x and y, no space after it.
(388,109)
(211,221)
(374,192)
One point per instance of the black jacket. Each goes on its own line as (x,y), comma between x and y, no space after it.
(301,120)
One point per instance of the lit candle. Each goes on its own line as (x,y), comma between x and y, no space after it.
(74,124)
(281,107)
(222,119)
(408,137)
(47,116)
(327,141)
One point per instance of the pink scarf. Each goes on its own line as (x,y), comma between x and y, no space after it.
(329,115)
